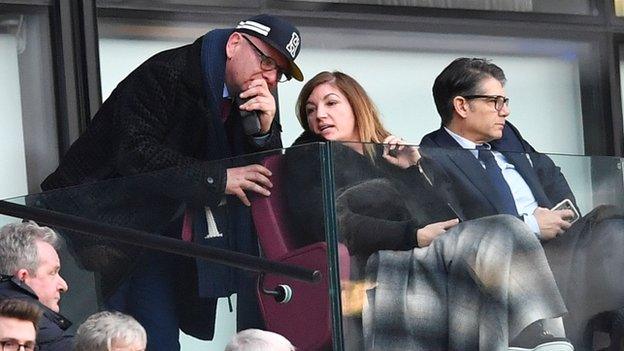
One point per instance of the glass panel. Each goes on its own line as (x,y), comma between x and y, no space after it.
(28,138)
(420,280)
(486,269)
(575,7)
(104,272)
(622,75)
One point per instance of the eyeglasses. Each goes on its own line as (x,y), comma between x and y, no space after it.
(267,63)
(13,345)
(499,100)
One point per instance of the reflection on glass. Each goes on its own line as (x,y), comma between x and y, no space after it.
(484,268)
(622,69)
(577,7)
(394,293)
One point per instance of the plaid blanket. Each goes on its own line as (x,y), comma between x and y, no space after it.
(474,288)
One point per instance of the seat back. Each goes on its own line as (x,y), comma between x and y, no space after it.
(270,214)
(306,319)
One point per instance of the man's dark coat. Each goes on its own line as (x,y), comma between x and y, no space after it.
(166,117)
(52,332)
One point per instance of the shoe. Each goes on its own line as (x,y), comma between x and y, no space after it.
(535,338)
(617,331)
(611,322)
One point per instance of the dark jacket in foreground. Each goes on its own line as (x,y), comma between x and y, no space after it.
(51,334)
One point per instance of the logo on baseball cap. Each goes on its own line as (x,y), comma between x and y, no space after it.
(281,35)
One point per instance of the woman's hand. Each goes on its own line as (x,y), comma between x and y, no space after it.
(398,153)
(425,235)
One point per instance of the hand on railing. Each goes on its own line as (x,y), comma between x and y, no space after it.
(251,177)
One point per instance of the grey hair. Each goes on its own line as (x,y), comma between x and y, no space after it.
(259,340)
(18,246)
(100,329)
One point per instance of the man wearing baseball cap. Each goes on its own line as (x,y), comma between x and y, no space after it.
(181,108)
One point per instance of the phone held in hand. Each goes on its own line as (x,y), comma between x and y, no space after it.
(566,204)
(250,119)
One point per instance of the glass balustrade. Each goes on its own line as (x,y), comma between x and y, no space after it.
(338,257)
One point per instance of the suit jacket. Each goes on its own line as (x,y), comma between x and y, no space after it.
(471,184)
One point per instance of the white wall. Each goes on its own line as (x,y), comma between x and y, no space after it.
(544,89)
(398,69)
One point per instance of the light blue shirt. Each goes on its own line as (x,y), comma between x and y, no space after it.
(522,194)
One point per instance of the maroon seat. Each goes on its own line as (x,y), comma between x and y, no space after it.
(305,320)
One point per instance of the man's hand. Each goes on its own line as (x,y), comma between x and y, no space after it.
(552,223)
(252,177)
(398,154)
(425,235)
(260,99)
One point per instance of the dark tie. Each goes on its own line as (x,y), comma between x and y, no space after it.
(498,181)
(226,108)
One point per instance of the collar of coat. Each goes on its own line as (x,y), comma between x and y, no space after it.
(14,288)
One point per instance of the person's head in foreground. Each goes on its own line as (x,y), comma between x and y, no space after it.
(259,340)
(18,325)
(28,252)
(110,331)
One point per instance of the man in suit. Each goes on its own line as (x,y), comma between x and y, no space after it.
(494,170)
(175,112)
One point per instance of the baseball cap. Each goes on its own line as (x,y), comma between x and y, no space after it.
(278,33)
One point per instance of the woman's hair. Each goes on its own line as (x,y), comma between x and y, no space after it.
(367,119)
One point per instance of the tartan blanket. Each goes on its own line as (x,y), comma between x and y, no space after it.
(474,288)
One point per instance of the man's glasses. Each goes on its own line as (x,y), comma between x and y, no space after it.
(267,63)
(13,345)
(499,100)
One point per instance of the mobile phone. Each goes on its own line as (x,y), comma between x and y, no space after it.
(250,119)
(566,204)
